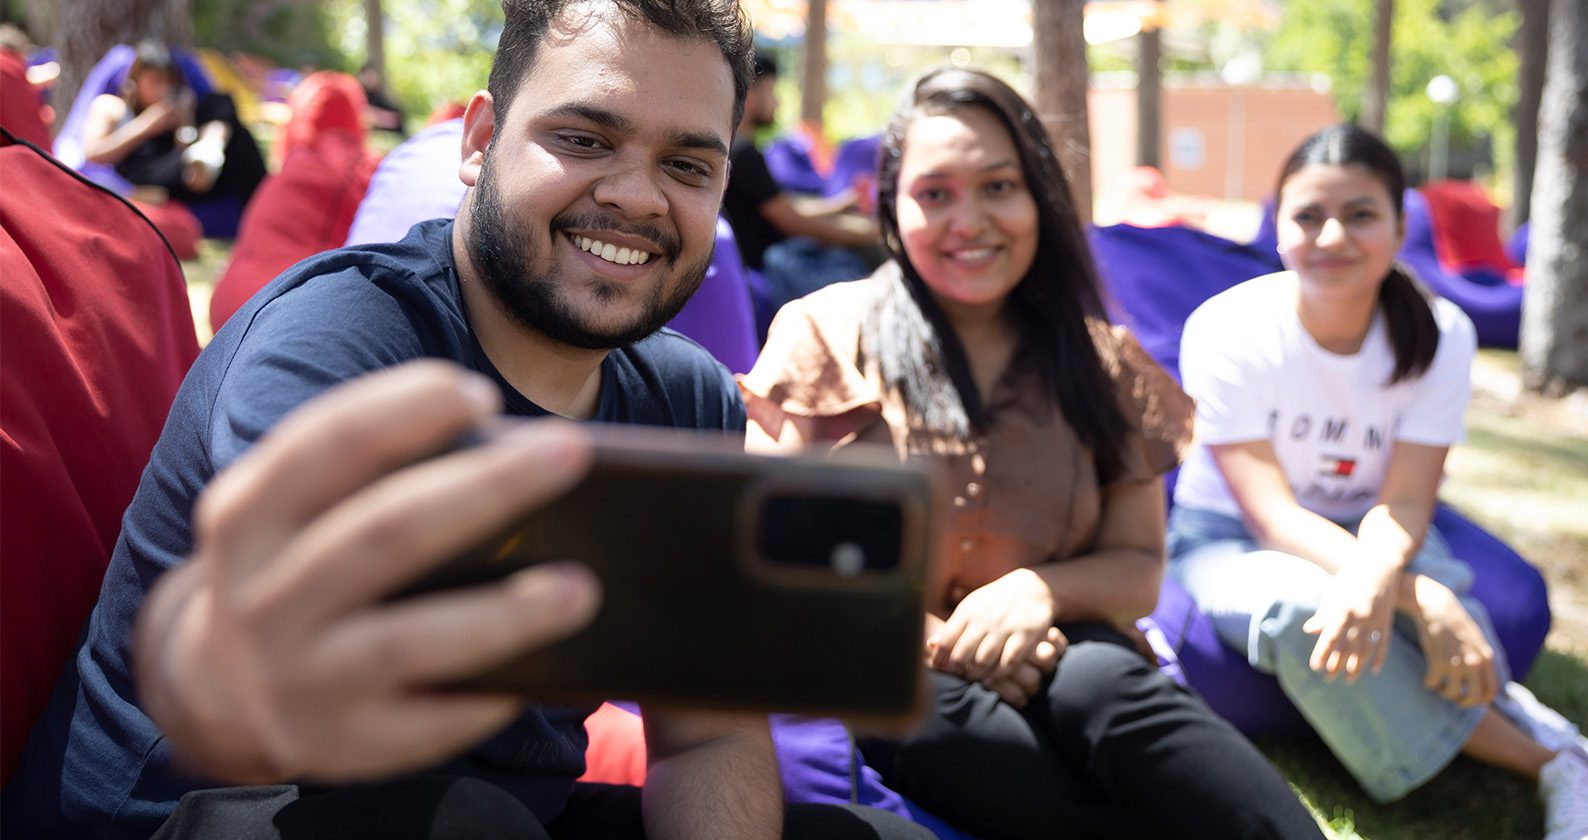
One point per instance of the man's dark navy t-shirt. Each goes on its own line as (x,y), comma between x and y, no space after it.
(750,185)
(95,766)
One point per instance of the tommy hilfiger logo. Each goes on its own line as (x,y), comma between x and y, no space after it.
(1336,466)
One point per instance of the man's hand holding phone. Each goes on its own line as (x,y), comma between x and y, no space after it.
(274,653)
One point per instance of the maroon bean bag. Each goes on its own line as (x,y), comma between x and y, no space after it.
(97,334)
(308,206)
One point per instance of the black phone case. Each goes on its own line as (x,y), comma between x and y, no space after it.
(692,613)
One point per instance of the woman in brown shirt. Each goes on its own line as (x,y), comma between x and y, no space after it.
(985,344)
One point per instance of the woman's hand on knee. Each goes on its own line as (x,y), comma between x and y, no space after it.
(1354,619)
(1461,665)
(995,629)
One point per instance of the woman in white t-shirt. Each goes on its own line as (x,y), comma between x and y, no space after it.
(1327,396)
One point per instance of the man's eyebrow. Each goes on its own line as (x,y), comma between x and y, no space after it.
(701,141)
(620,124)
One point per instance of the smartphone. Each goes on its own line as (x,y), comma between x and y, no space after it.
(730,580)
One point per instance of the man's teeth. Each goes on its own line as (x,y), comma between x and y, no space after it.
(612,253)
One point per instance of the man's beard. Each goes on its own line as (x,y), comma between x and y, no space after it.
(503,252)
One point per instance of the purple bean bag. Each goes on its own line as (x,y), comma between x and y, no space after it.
(1516,246)
(418,180)
(1157,277)
(218,217)
(855,166)
(1494,305)
(721,315)
(788,159)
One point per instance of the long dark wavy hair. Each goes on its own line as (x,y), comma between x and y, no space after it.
(1058,306)
(1408,315)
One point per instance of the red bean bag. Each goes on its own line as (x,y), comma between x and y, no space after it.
(97,334)
(323,103)
(308,206)
(1466,226)
(21,108)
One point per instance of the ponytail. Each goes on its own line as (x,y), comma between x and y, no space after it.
(1409,317)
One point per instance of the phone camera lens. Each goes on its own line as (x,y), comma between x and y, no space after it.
(849,559)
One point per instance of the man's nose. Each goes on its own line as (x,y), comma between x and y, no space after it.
(632,191)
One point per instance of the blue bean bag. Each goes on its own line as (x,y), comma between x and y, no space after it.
(218,217)
(418,180)
(1494,305)
(1156,277)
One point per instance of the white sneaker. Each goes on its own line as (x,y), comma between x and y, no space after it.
(1545,725)
(1563,785)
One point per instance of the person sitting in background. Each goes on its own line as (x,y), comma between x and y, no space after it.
(798,243)
(383,113)
(156,135)
(1327,398)
(984,344)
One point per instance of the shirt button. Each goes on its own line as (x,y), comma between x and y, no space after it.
(973,489)
(966,544)
(959,501)
(978,463)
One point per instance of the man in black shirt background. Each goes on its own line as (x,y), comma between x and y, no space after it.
(798,243)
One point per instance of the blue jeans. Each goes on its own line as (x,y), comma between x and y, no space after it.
(1390,732)
(798,266)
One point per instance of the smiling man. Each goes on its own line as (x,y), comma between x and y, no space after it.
(266,653)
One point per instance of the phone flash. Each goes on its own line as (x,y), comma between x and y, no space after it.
(848,559)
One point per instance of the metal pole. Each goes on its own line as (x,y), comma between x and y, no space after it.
(1437,163)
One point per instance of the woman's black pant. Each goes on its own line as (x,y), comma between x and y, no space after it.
(1109,747)
(158,161)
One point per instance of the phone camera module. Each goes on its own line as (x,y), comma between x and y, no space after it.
(842,535)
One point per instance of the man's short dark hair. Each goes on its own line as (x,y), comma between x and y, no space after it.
(527,21)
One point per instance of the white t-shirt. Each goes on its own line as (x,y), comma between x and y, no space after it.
(1257,374)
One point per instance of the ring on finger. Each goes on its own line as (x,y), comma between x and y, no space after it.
(1375,637)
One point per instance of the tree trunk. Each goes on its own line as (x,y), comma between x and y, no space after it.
(1376,98)
(1555,309)
(85,29)
(1531,45)
(1149,89)
(375,37)
(813,76)
(1061,92)
(40,20)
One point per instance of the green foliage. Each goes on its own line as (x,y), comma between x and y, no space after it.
(864,80)
(1471,46)
(437,51)
(289,33)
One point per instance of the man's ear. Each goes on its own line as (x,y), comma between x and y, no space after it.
(479,126)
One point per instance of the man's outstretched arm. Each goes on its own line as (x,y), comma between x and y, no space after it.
(273,653)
